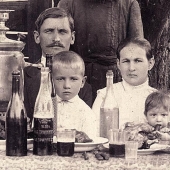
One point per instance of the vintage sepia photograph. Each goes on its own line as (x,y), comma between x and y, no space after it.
(84,84)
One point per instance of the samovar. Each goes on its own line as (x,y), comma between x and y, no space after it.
(11,58)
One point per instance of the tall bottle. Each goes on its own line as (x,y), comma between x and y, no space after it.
(53,92)
(49,65)
(109,112)
(16,121)
(43,117)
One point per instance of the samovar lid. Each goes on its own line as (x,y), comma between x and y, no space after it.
(7,44)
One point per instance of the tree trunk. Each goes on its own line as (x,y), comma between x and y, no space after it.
(156,23)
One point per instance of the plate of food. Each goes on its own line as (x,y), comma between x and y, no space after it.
(147,138)
(153,148)
(84,143)
(81,147)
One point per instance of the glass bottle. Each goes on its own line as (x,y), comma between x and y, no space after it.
(16,121)
(109,112)
(43,117)
(49,65)
(53,92)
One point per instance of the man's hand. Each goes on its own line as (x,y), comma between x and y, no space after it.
(38,65)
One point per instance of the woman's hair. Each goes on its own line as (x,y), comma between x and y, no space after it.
(68,59)
(157,99)
(53,13)
(141,42)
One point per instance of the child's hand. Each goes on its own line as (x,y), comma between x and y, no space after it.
(165,130)
(162,135)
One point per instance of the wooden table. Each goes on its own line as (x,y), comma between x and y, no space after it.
(31,162)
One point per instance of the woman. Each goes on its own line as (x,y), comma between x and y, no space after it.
(134,60)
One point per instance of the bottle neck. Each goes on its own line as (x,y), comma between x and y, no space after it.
(49,62)
(109,81)
(15,84)
(44,78)
(49,65)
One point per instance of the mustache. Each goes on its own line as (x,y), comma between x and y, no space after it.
(56,44)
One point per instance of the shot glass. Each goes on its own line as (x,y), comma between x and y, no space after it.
(65,142)
(131,149)
(117,143)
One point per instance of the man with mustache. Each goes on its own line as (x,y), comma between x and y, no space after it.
(55,33)
(100,26)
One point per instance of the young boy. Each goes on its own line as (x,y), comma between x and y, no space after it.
(157,107)
(72,112)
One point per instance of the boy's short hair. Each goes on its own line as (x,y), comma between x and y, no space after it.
(157,99)
(68,59)
(141,42)
(53,13)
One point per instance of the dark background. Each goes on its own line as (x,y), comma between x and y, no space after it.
(156,23)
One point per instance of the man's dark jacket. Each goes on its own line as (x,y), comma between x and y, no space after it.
(32,77)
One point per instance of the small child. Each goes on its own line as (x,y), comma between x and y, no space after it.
(72,112)
(157,107)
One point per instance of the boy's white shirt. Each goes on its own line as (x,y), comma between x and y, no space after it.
(76,114)
(130,100)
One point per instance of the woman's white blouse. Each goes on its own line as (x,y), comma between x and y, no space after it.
(130,101)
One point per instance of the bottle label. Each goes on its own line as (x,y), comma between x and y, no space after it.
(43,129)
(43,136)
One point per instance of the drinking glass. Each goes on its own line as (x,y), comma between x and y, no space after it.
(65,142)
(131,149)
(117,143)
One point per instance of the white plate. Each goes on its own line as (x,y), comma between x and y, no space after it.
(147,151)
(3,144)
(81,147)
(153,148)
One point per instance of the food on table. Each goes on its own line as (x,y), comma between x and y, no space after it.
(143,133)
(82,137)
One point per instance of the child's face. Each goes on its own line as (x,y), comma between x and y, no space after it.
(158,116)
(134,64)
(67,82)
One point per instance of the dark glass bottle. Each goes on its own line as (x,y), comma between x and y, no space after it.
(53,92)
(49,65)
(109,112)
(43,118)
(16,121)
